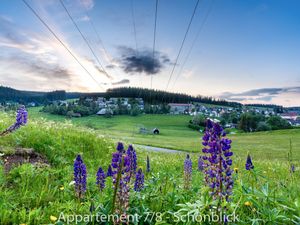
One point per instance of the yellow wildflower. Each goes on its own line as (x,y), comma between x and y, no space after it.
(62,188)
(53,218)
(248,203)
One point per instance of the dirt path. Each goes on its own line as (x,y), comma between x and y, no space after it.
(158,149)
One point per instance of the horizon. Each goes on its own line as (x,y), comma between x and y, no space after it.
(244,51)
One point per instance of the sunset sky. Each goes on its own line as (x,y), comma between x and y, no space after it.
(246,51)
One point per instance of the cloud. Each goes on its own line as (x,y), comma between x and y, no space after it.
(88,4)
(124,81)
(142,61)
(262,94)
(40,57)
(84,18)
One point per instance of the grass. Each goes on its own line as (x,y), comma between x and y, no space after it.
(176,135)
(31,195)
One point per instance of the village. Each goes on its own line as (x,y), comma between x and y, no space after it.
(109,106)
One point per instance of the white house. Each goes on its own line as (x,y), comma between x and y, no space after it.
(180,108)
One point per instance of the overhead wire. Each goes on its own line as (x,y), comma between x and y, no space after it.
(61,42)
(85,40)
(182,44)
(154,40)
(194,41)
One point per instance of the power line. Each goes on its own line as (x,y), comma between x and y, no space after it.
(134,28)
(98,36)
(188,28)
(84,38)
(194,42)
(61,42)
(154,38)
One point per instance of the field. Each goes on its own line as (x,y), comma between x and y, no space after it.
(38,194)
(175,134)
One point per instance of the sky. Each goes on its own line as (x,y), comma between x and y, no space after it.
(246,51)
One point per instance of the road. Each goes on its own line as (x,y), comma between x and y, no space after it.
(158,149)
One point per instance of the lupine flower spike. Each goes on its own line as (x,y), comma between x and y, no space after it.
(187,172)
(79,177)
(293,168)
(133,161)
(139,180)
(100,177)
(121,170)
(21,120)
(109,171)
(148,164)
(218,174)
(249,164)
(200,164)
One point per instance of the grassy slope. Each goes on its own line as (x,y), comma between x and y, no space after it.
(176,135)
(29,195)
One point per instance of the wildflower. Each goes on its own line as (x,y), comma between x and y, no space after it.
(236,170)
(249,164)
(100,179)
(79,176)
(53,218)
(121,170)
(21,120)
(248,203)
(218,174)
(133,160)
(148,164)
(109,171)
(200,164)
(293,168)
(139,180)
(120,147)
(187,172)
(61,188)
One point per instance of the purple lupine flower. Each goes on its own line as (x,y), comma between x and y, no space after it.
(293,168)
(217,161)
(109,171)
(21,120)
(201,164)
(148,164)
(100,177)
(80,176)
(249,164)
(121,172)
(187,172)
(120,147)
(139,180)
(133,159)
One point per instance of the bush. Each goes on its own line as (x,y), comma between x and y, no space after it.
(263,126)
(276,123)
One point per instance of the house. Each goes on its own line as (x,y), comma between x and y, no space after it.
(180,108)
(295,123)
(289,116)
(104,111)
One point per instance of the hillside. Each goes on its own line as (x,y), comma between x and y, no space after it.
(38,194)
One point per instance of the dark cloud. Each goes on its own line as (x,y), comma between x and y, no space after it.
(49,72)
(262,94)
(142,61)
(124,81)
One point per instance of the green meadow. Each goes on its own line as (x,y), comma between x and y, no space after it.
(175,134)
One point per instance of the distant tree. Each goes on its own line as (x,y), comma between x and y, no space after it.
(276,123)
(263,126)
(135,110)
